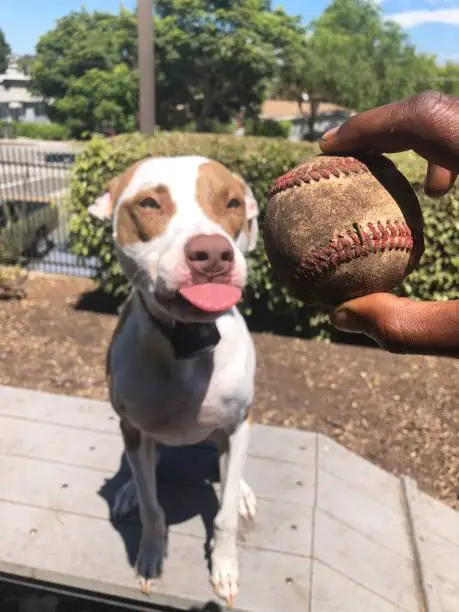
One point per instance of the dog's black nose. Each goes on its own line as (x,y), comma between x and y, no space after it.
(209,256)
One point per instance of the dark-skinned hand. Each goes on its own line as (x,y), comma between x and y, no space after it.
(427,124)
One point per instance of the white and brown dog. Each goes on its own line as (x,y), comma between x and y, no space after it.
(181,362)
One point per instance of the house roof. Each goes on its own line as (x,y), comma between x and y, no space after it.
(16,96)
(14,87)
(13,73)
(288,109)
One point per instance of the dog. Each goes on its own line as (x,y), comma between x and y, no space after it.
(181,362)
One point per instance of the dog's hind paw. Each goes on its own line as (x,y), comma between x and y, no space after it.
(125,500)
(247,502)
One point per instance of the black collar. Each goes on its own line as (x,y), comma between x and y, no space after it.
(188,340)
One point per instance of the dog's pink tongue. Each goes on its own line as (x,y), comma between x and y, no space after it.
(212,297)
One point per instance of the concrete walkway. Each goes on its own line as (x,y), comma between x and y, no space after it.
(333,534)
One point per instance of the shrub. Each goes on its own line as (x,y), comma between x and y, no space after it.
(267,127)
(12,282)
(40,131)
(260,161)
(215,126)
(13,275)
(437,277)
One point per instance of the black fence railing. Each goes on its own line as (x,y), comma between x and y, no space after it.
(34,184)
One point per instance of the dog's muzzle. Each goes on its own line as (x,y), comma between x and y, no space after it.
(209,258)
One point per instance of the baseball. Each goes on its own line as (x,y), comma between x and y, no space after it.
(340,227)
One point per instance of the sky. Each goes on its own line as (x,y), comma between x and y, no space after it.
(433,25)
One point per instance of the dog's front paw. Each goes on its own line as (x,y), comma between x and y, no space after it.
(125,500)
(225,571)
(150,559)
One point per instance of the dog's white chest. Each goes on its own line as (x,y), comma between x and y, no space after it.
(184,401)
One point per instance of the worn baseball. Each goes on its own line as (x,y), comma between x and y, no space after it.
(340,227)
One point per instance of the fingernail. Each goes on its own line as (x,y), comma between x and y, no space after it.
(347,320)
(327,138)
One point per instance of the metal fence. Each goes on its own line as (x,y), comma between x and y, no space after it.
(34,183)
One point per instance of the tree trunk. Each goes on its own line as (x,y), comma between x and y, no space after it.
(300,103)
(314,105)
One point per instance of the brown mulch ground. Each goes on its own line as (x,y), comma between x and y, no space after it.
(401,412)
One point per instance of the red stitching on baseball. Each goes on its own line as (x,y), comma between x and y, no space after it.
(322,168)
(355,243)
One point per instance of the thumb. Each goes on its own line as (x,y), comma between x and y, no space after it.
(438,181)
(401,325)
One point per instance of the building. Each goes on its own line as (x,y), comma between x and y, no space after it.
(329,115)
(17,103)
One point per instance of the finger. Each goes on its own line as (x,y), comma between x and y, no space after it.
(438,181)
(379,130)
(426,123)
(401,325)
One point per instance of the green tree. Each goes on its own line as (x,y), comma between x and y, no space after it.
(76,67)
(25,62)
(355,58)
(449,78)
(5,51)
(215,57)
(100,101)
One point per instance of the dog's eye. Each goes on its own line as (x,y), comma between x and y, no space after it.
(150,203)
(233,204)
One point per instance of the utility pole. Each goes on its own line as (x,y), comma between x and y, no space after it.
(146,62)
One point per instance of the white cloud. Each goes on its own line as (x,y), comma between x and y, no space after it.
(410,19)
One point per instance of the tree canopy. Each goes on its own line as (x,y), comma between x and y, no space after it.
(5,51)
(215,58)
(85,68)
(449,78)
(212,59)
(25,62)
(356,58)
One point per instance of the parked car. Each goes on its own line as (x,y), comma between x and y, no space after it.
(25,227)
(60,158)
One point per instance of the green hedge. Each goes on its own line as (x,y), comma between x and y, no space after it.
(38,131)
(260,161)
(268,128)
(437,277)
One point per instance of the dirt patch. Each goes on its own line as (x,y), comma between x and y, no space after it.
(400,412)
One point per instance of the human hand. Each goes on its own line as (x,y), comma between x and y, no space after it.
(428,124)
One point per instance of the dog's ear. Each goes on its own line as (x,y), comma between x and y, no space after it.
(103,206)
(251,213)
